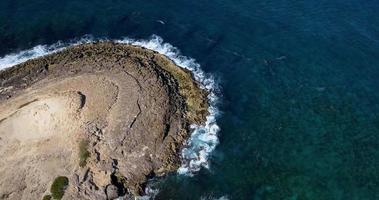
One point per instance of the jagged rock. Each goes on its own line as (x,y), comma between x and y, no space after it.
(112,192)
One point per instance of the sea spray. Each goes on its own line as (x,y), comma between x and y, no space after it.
(39,51)
(203,139)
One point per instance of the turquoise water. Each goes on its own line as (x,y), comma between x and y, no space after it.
(299,82)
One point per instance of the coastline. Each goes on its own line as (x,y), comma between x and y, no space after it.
(190,108)
(203,140)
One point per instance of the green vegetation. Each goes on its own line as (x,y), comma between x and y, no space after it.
(46,197)
(83,153)
(58,187)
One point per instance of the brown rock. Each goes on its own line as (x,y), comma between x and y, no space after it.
(112,192)
(105,115)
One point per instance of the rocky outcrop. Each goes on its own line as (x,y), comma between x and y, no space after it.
(107,116)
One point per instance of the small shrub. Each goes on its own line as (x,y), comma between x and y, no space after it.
(58,187)
(83,153)
(46,197)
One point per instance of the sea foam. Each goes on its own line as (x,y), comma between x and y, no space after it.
(38,51)
(203,139)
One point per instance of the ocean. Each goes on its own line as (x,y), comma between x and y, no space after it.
(294,86)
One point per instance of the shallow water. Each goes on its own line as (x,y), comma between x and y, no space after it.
(298,79)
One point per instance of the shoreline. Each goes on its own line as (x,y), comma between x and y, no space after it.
(203,138)
(191,102)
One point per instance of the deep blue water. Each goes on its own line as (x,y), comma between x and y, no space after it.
(299,82)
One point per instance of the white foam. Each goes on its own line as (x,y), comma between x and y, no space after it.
(150,193)
(203,139)
(37,51)
(17,58)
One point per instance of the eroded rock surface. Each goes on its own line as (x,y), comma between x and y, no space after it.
(129,105)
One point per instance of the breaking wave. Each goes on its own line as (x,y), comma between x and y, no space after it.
(203,139)
(38,51)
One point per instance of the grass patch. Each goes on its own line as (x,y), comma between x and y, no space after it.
(58,187)
(46,197)
(83,153)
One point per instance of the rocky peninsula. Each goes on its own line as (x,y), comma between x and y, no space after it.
(93,121)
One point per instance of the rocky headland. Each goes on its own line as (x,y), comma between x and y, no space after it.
(94,121)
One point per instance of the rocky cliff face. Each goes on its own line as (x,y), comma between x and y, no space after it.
(106,116)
